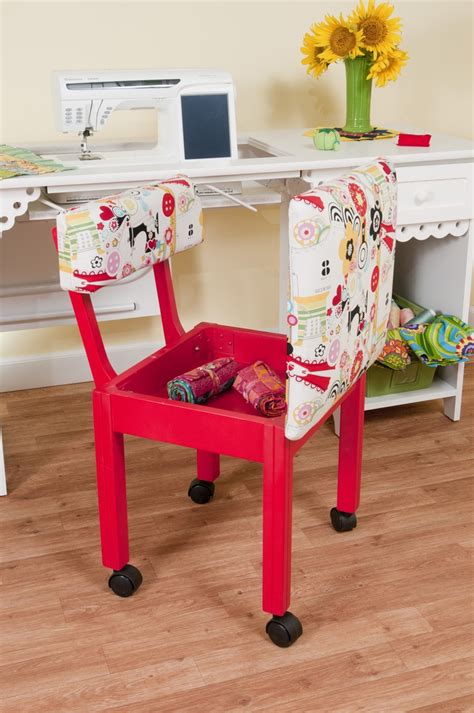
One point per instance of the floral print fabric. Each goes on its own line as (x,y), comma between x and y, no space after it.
(341,245)
(262,389)
(107,240)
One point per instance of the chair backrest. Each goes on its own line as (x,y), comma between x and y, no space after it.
(108,241)
(341,253)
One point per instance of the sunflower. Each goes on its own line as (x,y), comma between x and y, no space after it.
(316,66)
(380,33)
(387,67)
(339,39)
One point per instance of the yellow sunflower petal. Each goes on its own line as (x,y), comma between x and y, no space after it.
(386,68)
(311,53)
(380,32)
(338,38)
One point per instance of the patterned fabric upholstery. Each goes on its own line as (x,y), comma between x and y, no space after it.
(106,240)
(342,244)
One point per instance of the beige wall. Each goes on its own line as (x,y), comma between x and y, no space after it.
(258,42)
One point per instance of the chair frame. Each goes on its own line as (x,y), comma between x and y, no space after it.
(118,409)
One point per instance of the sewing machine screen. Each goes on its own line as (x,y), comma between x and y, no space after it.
(206,130)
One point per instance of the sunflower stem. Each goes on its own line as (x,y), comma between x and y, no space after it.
(358,95)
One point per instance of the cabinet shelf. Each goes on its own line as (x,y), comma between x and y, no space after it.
(439,389)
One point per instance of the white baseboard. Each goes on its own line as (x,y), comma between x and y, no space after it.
(58,368)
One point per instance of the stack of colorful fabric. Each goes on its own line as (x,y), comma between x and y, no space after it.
(396,354)
(436,340)
(15,161)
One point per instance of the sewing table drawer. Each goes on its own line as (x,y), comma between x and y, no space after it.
(434,193)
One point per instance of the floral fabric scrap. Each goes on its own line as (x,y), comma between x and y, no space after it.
(198,385)
(262,389)
(395,353)
(446,340)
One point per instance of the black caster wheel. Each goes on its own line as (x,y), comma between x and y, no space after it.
(343,521)
(284,630)
(125,582)
(201,491)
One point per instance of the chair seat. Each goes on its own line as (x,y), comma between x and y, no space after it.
(140,404)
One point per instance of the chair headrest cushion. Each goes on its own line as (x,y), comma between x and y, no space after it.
(108,240)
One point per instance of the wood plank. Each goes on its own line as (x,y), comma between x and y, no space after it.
(46,672)
(400,692)
(304,682)
(465,704)
(111,690)
(437,647)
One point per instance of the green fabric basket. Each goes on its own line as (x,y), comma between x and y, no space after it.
(382,381)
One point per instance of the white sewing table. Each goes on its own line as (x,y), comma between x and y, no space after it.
(435,209)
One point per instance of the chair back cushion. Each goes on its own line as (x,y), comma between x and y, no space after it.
(341,244)
(105,241)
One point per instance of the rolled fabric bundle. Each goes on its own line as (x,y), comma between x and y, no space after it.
(446,340)
(406,315)
(424,317)
(262,389)
(394,318)
(198,385)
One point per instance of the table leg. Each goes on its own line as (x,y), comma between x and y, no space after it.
(3,477)
(284,261)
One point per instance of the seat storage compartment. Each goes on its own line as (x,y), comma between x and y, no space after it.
(203,344)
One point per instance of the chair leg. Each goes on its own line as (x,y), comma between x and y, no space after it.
(350,459)
(201,489)
(110,462)
(110,466)
(284,628)
(208,466)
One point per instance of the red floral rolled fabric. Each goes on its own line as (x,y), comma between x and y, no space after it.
(262,389)
(199,384)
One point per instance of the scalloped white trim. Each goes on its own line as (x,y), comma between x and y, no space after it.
(14,202)
(438,229)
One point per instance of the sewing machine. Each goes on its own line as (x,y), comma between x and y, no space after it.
(196,109)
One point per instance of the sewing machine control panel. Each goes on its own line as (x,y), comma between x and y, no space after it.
(74,113)
(81,114)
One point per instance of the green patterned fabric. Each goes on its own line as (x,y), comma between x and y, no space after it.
(446,340)
(15,161)
(395,354)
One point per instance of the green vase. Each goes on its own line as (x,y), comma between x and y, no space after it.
(358,95)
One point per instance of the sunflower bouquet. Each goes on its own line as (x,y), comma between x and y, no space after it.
(367,41)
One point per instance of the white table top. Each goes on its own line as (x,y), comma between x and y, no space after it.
(351,153)
(290,154)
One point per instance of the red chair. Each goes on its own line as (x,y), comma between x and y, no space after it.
(136,402)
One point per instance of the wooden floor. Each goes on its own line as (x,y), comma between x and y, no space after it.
(387,609)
